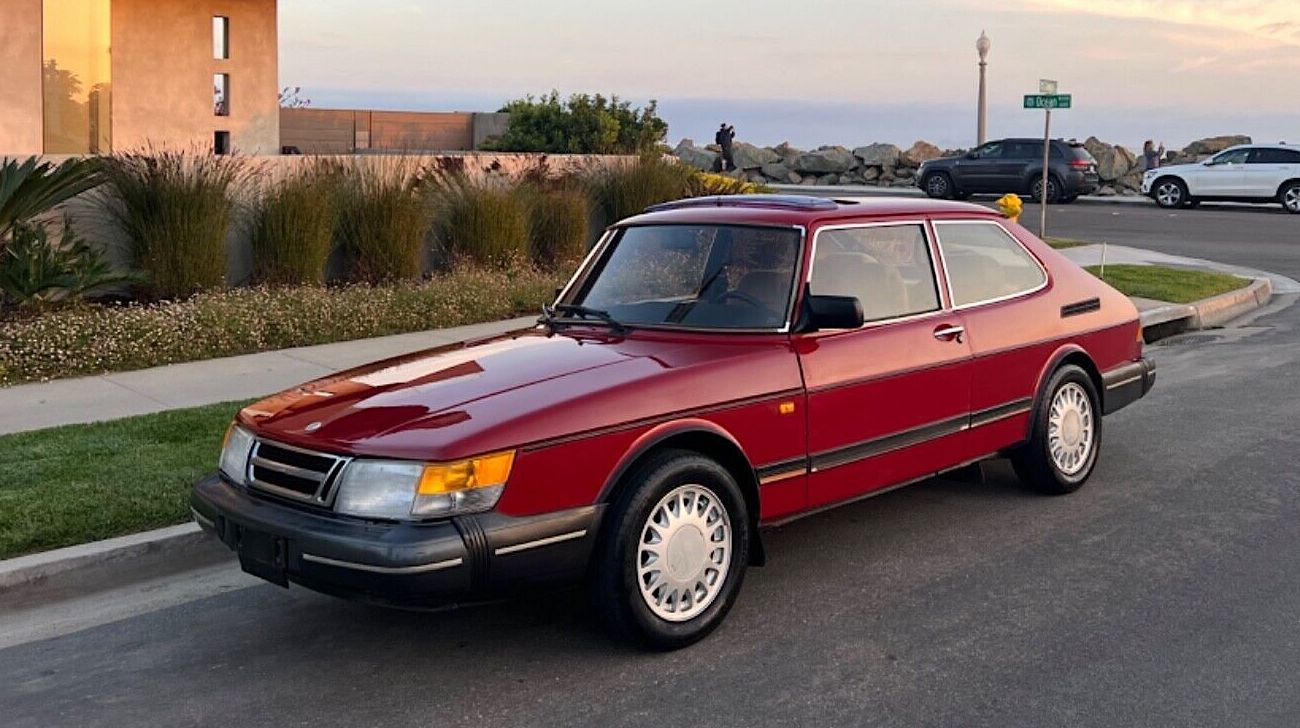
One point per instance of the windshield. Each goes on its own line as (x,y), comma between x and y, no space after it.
(697,276)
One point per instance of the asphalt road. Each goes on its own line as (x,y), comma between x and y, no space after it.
(1165,592)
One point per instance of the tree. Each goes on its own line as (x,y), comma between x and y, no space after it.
(582,124)
(291,98)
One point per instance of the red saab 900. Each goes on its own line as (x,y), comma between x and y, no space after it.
(714,366)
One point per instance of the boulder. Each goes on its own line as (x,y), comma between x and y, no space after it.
(848,179)
(832,160)
(921,151)
(1106,191)
(904,173)
(793,178)
(688,153)
(828,179)
(1130,181)
(1113,162)
(870,174)
(748,156)
(808,181)
(776,170)
(756,177)
(785,151)
(878,155)
(1212,145)
(903,183)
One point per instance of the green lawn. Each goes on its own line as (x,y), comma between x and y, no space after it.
(1175,285)
(1063,243)
(79,483)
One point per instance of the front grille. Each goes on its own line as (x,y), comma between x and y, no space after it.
(294,473)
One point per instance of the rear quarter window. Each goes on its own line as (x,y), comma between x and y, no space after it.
(985,263)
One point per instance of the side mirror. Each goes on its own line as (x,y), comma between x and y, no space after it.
(1209,162)
(833,312)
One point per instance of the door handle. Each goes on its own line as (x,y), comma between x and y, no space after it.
(949,333)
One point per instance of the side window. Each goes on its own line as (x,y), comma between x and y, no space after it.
(1236,156)
(886,267)
(1274,156)
(992,150)
(984,262)
(1288,156)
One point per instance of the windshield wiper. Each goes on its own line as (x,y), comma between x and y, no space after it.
(581,312)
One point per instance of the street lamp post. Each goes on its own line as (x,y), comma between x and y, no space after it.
(982,46)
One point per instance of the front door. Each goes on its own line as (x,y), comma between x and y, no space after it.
(1223,176)
(979,172)
(888,402)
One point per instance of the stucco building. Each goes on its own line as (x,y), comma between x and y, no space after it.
(96,76)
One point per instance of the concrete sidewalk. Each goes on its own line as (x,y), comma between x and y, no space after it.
(110,396)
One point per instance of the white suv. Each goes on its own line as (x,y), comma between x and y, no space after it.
(1266,173)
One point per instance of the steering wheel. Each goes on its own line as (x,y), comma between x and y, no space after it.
(743,298)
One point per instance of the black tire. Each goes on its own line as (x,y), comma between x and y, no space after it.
(961,195)
(1069,199)
(1053,189)
(1169,193)
(1033,461)
(616,585)
(938,185)
(1289,196)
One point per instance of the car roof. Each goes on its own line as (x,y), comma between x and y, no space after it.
(1261,145)
(802,210)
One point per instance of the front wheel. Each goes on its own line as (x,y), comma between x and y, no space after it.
(1290,198)
(673,553)
(1170,193)
(1065,438)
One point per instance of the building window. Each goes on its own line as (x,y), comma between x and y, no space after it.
(221,143)
(221,94)
(221,38)
(76,75)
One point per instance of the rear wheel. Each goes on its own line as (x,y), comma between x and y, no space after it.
(673,553)
(1065,438)
(1053,189)
(938,185)
(1290,197)
(1169,193)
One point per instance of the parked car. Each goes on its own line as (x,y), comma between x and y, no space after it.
(714,366)
(1262,173)
(1012,165)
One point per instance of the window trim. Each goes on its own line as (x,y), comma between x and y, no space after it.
(931,247)
(222,21)
(589,264)
(952,301)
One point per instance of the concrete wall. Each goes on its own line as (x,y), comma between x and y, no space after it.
(343,131)
(20,77)
(163,69)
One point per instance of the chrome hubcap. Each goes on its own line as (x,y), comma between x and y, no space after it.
(1169,194)
(684,554)
(1291,200)
(938,186)
(1070,429)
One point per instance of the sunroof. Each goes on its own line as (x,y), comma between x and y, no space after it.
(786,202)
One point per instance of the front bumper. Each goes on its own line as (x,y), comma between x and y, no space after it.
(1127,384)
(462,558)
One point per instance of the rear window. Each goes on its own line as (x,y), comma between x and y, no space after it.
(984,263)
(1078,151)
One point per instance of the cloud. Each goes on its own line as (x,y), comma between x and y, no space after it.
(1276,21)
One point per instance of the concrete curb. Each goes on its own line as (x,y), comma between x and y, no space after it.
(1206,313)
(100,565)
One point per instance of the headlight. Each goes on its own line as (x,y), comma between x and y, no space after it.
(234,453)
(401,489)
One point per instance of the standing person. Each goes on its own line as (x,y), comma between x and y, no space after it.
(1151,156)
(724,138)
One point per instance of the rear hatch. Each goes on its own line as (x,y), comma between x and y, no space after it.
(1079,158)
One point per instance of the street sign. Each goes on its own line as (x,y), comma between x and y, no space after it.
(1047,101)
(1046,86)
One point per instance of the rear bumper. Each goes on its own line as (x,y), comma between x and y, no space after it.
(463,558)
(1126,384)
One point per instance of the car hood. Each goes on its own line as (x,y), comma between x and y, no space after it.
(1176,168)
(520,388)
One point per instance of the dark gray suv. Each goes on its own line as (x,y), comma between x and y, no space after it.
(1012,165)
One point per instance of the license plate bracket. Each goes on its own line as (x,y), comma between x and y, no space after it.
(263,556)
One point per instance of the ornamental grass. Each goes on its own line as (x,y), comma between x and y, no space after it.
(85,340)
(292,231)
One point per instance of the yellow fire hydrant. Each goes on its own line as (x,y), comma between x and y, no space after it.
(1010,205)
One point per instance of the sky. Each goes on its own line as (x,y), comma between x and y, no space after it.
(820,72)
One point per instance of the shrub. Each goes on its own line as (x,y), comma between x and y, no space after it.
(558,222)
(623,191)
(704,184)
(584,124)
(293,227)
(104,338)
(175,210)
(33,188)
(35,271)
(485,223)
(383,221)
